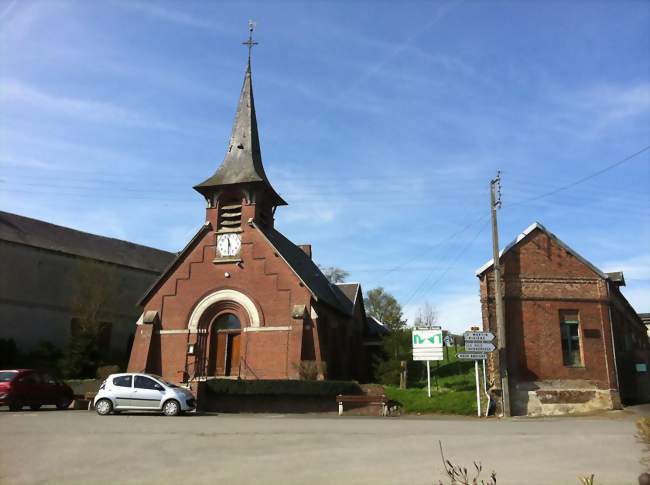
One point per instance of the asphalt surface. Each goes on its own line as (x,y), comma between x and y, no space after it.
(64,447)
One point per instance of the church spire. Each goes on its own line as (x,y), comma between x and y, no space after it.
(243,161)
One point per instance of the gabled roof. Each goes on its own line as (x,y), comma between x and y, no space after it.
(527,231)
(306,270)
(243,161)
(174,263)
(40,234)
(375,328)
(350,290)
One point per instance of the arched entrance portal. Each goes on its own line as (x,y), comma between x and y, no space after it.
(225,345)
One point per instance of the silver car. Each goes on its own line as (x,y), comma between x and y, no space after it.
(142,392)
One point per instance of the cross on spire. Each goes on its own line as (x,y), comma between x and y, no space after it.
(250,42)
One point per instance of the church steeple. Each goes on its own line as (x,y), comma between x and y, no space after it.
(242,165)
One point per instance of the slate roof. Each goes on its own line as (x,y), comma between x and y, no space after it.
(40,234)
(527,231)
(308,272)
(375,328)
(350,290)
(243,161)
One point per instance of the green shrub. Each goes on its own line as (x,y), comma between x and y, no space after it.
(309,370)
(277,387)
(106,370)
(82,386)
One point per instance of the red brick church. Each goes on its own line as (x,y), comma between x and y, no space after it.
(241,300)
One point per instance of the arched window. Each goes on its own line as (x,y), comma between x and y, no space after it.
(227,321)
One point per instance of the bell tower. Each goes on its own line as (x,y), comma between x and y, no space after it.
(240,190)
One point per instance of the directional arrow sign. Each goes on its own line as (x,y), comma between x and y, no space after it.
(479,336)
(471,356)
(472,346)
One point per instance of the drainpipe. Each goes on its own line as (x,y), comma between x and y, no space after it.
(611,328)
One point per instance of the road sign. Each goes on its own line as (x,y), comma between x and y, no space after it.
(472,346)
(471,355)
(427,345)
(449,341)
(478,336)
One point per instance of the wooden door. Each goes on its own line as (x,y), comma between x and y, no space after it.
(220,353)
(234,353)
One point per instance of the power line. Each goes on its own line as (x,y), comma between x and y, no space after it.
(583,179)
(451,265)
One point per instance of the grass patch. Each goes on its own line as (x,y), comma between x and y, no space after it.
(444,402)
(453,389)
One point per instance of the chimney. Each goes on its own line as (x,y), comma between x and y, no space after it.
(306,248)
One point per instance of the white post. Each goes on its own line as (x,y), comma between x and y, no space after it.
(478,389)
(428,379)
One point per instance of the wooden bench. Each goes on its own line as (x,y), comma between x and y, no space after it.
(370,399)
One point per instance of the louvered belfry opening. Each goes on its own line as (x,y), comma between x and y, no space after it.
(230,215)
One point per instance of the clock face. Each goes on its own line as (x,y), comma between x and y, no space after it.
(228,244)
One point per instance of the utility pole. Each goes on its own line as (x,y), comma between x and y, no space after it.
(495,203)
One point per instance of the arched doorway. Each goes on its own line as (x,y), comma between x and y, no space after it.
(225,345)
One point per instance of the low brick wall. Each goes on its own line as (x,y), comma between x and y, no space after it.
(240,401)
(265,404)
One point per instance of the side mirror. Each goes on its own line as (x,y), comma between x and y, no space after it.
(159,387)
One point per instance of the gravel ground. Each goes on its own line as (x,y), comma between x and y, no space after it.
(63,447)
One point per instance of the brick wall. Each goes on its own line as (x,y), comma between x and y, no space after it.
(542,279)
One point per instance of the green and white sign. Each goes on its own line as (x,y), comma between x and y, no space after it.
(427,344)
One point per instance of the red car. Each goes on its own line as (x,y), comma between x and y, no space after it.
(28,387)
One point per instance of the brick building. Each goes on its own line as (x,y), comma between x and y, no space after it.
(574,343)
(241,300)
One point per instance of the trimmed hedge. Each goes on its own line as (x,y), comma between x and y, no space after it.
(279,387)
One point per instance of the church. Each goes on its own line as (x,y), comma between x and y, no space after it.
(241,300)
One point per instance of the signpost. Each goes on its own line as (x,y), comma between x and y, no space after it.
(427,345)
(477,346)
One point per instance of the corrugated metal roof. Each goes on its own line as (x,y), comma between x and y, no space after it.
(40,234)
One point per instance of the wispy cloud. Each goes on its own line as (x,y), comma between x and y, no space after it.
(82,109)
(635,267)
(175,16)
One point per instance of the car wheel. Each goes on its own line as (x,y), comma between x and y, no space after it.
(63,403)
(103,407)
(171,408)
(35,407)
(15,405)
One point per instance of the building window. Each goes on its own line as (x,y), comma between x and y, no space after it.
(570,332)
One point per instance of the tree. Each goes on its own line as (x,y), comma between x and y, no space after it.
(333,274)
(385,308)
(95,288)
(427,316)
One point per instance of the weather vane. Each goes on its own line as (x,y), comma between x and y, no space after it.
(250,42)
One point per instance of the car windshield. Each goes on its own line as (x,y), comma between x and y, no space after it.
(7,376)
(167,383)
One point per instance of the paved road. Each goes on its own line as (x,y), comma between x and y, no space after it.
(81,447)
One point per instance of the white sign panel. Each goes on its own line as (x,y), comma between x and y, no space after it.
(472,346)
(427,345)
(471,356)
(479,336)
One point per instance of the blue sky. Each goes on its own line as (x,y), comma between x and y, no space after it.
(381,124)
